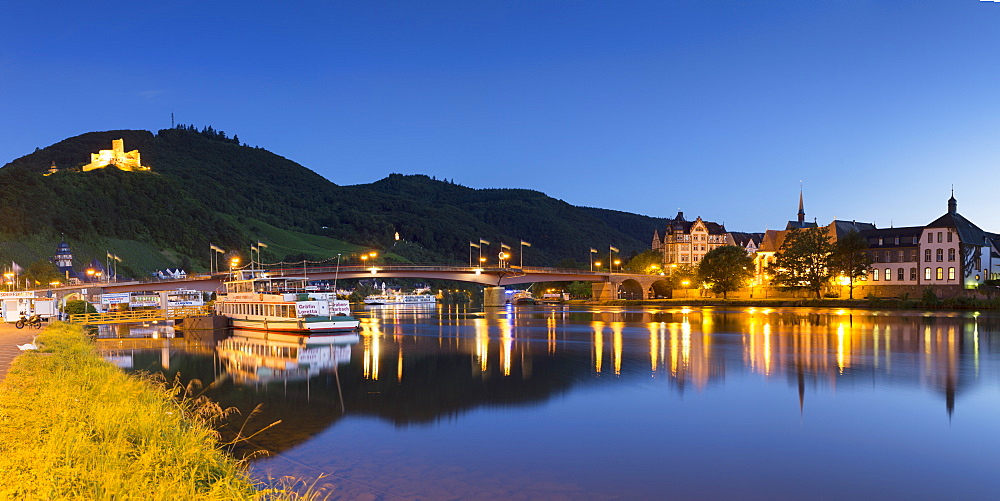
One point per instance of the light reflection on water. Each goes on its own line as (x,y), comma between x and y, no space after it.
(541,402)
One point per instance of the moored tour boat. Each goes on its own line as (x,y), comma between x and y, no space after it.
(256,301)
(401,299)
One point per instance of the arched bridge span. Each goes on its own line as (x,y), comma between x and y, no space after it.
(606,284)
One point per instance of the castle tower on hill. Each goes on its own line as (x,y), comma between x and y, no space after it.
(117,156)
(63,257)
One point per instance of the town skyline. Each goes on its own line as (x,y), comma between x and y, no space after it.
(719,111)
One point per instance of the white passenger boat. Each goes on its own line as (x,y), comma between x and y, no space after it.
(401,299)
(257,301)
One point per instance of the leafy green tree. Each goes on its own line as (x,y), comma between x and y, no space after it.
(851,259)
(726,269)
(42,272)
(649,261)
(579,289)
(363,290)
(804,260)
(684,276)
(78,306)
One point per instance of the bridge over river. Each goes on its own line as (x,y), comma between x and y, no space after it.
(606,285)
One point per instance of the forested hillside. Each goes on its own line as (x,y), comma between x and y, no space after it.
(205,188)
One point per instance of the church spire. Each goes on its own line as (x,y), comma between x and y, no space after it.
(802,211)
(952,203)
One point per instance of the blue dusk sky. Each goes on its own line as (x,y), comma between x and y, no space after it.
(717,108)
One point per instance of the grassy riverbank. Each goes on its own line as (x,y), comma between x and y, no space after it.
(74,426)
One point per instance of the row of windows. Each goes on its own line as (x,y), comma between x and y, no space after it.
(901,274)
(887,256)
(930,236)
(900,256)
(696,238)
(906,240)
(271,310)
(939,275)
(939,254)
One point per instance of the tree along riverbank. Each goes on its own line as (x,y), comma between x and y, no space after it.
(73,425)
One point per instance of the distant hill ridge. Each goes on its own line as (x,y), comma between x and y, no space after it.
(203,190)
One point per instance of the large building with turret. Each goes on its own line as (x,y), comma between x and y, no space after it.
(687,242)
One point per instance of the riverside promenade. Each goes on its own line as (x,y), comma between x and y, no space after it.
(10,337)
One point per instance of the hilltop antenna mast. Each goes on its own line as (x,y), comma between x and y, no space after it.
(171,120)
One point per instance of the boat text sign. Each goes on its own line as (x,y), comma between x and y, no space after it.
(308,308)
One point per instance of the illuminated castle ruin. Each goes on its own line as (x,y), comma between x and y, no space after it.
(115,156)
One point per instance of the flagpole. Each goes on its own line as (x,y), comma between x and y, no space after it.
(336,274)
(481,244)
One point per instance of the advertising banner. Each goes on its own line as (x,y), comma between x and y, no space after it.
(115,298)
(143,301)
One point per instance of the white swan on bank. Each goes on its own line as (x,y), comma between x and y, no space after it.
(28,346)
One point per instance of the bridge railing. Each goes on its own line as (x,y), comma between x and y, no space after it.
(299,271)
(130,316)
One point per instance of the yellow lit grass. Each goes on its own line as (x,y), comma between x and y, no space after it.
(74,426)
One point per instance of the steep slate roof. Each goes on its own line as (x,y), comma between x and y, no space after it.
(742,238)
(714,228)
(680,225)
(772,241)
(844,227)
(795,225)
(967,231)
(906,234)
(836,229)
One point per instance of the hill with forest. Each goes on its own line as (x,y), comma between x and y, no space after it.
(205,188)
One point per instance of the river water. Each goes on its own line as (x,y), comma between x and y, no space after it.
(573,402)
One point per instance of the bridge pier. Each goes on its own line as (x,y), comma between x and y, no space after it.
(603,291)
(494,296)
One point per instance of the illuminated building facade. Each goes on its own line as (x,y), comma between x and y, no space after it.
(954,251)
(895,255)
(687,242)
(949,251)
(116,156)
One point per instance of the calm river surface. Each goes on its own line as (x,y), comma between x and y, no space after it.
(617,403)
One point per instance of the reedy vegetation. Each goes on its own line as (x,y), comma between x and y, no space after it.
(73,426)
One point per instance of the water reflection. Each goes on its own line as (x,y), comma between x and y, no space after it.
(253,357)
(684,347)
(453,365)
